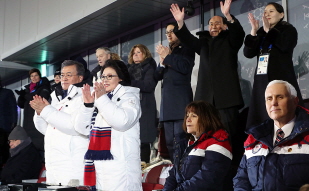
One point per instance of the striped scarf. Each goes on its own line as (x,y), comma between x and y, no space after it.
(98,149)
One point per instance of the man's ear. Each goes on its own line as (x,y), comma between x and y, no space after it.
(81,78)
(296,101)
(224,27)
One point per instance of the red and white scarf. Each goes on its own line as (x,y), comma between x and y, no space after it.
(98,149)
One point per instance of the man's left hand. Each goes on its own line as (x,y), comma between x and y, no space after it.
(225,9)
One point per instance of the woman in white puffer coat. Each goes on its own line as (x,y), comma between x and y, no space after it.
(113,156)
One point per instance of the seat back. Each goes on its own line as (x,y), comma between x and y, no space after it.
(42,176)
(158,174)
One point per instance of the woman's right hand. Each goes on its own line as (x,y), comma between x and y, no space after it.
(254,24)
(99,89)
(178,14)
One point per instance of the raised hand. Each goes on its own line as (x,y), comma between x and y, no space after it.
(99,89)
(163,51)
(38,103)
(254,24)
(225,9)
(266,24)
(178,14)
(87,96)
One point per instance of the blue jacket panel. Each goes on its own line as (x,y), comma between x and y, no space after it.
(280,167)
(201,165)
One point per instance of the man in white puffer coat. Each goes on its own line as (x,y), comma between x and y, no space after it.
(64,146)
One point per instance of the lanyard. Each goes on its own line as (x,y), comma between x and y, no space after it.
(261,46)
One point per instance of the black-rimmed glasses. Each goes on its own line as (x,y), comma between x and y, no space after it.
(108,77)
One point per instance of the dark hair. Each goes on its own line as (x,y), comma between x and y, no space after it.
(121,70)
(224,20)
(57,72)
(278,8)
(172,23)
(209,119)
(143,49)
(79,67)
(35,70)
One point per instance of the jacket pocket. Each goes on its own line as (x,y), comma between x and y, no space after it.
(295,170)
(253,166)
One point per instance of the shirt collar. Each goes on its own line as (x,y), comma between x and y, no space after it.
(287,128)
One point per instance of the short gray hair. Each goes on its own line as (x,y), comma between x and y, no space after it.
(289,87)
(79,66)
(107,50)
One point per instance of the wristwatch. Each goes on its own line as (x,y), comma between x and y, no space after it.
(231,21)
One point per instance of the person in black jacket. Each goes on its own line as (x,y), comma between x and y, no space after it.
(175,69)
(25,161)
(38,86)
(8,120)
(57,79)
(218,80)
(273,42)
(142,68)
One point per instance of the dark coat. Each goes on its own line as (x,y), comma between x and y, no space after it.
(176,85)
(42,89)
(218,81)
(26,164)
(203,165)
(8,110)
(142,77)
(283,38)
(269,167)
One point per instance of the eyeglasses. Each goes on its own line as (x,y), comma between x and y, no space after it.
(67,76)
(169,32)
(108,77)
(9,141)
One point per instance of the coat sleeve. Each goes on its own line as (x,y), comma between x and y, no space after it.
(120,117)
(21,100)
(64,122)
(183,62)
(170,183)
(39,123)
(236,35)
(285,40)
(214,169)
(241,180)
(159,73)
(83,120)
(11,113)
(148,83)
(45,93)
(188,39)
(251,48)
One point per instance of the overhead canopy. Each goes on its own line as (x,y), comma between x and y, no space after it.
(110,21)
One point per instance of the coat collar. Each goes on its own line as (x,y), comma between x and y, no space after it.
(206,34)
(265,131)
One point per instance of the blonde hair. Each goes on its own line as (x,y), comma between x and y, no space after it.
(115,56)
(143,49)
